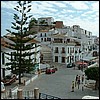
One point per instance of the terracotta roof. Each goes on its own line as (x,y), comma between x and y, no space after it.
(34,41)
(5,43)
(43,31)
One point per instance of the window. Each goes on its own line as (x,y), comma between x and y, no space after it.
(67,59)
(63,50)
(79,51)
(63,59)
(41,35)
(44,39)
(41,39)
(68,50)
(48,39)
(56,50)
(3,58)
(85,31)
(45,34)
(56,58)
(72,50)
(68,40)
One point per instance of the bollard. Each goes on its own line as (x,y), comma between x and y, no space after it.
(24,82)
(36,93)
(10,93)
(19,94)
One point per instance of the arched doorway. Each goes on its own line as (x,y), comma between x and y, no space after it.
(95,53)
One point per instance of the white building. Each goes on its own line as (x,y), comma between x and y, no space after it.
(63,49)
(83,36)
(4,60)
(44,36)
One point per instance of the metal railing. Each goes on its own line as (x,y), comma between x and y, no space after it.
(46,96)
(28,94)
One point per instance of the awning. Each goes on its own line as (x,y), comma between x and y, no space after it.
(89,58)
(81,63)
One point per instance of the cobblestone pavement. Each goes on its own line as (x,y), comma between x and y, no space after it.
(59,84)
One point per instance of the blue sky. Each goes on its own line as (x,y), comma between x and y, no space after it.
(83,13)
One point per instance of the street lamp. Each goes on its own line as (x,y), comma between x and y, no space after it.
(82,61)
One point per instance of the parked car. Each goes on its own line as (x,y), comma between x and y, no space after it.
(50,70)
(9,79)
(70,65)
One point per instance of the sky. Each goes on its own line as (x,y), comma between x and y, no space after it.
(82,13)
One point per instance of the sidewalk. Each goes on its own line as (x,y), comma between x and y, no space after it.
(20,86)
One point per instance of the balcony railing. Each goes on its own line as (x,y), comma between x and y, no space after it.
(56,51)
(63,42)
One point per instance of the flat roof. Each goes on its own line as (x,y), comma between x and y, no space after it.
(89,58)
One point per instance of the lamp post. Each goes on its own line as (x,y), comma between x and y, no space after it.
(82,62)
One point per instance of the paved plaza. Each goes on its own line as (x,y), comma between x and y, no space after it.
(59,84)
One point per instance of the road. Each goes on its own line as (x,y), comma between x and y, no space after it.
(59,84)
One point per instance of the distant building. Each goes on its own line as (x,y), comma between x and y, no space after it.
(47,20)
(59,24)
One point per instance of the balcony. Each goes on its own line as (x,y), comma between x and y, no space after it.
(63,52)
(56,51)
(57,41)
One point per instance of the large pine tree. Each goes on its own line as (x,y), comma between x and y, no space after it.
(21,59)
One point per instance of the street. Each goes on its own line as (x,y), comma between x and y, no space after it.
(59,84)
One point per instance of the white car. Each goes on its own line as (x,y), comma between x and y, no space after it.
(90,97)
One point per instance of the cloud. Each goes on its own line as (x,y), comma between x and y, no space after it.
(45,4)
(9,4)
(92,26)
(58,3)
(95,6)
(79,5)
(70,11)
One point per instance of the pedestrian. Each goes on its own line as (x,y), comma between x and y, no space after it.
(82,79)
(75,83)
(78,81)
(72,86)
(76,78)
(82,87)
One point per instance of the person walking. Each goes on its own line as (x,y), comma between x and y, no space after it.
(76,78)
(82,87)
(78,81)
(72,86)
(82,79)
(75,83)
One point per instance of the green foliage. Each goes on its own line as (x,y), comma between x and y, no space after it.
(20,59)
(92,73)
(32,22)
